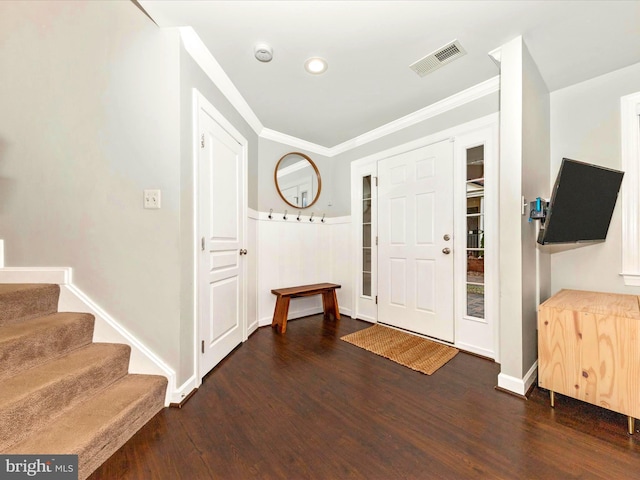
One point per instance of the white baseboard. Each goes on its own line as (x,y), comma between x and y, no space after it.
(106,329)
(183,390)
(473,349)
(516,385)
(252,328)
(367,318)
(59,275)
(302,313)
(264,321)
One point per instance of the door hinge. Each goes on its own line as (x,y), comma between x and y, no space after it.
(202,346)
(202,141)
(376,299)
(376,240)
(202,244)
(376,181)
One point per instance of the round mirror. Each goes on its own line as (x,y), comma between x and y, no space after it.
(297,180)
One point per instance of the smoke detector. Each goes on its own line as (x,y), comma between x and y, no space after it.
(438,58)
(263,52)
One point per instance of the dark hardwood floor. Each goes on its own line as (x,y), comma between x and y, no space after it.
(307,405)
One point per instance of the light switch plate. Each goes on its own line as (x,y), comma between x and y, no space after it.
(152,199)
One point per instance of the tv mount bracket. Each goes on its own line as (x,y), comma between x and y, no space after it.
(538,210)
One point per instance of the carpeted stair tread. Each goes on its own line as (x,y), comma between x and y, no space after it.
(97,427)
(61,393)
(20,301)
(31,398)
(39,339)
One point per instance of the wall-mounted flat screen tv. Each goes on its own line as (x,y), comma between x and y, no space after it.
(582,203)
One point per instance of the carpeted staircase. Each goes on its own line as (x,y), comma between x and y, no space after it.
(59,392)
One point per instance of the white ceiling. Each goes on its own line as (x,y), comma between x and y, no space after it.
(369,46)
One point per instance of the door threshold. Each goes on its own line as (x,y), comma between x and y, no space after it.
(427,337)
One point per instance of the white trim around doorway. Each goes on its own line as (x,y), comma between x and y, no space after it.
(200,102)
(368,165)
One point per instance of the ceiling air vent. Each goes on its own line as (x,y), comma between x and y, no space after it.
(437,59)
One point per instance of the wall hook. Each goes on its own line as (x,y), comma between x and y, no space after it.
(311,217)
(284,217)
(299,213)
(270,212)
(322,218)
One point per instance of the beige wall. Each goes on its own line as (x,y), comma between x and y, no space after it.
(96,106)
(91,117)
(585,125)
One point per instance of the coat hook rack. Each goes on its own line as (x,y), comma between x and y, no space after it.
(322,218)
(311,217)
(284,217)
(270,213)
(299,213)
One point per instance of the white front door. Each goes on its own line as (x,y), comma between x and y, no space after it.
(415,251)
(221,194)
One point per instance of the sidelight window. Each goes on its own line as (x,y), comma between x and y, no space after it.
(366,236)
(475,248)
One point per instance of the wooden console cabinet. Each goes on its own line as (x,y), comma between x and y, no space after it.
(589,349)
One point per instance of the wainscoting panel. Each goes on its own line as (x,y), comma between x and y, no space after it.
(300,252)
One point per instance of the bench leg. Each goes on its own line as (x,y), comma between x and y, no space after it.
(280,313)
(330,304)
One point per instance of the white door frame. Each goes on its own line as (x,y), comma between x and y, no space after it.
(364,307)
(369,163)
(200,102)
(479,336)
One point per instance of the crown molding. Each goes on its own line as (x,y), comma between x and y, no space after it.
(203,57)
(496,56)
(292,141)
(456,100)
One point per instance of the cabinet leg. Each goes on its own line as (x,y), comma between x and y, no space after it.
(552,397)
(632,424)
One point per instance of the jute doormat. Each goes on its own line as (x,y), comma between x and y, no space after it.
(409,350)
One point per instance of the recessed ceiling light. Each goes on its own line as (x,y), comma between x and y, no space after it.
(315,65)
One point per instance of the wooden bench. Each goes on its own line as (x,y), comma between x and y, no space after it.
(284,295)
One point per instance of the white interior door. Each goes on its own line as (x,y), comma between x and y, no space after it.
(221,194)
(415,251)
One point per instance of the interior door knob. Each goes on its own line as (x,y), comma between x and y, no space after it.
(446,251)
(243,251)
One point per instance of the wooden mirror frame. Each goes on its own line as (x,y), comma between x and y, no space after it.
(315,168)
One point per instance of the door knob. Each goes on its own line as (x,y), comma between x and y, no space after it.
(446,251)
(243,251)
